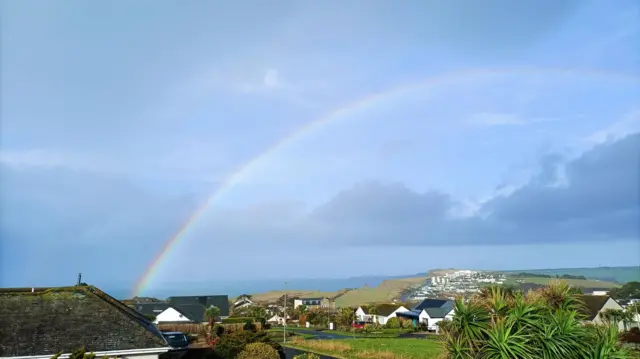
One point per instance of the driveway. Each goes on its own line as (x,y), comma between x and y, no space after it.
(290,352)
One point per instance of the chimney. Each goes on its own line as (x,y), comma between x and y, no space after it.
(79,278)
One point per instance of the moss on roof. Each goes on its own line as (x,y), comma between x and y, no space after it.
(48,320)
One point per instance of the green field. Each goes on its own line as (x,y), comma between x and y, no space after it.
(372,348)
(607,274)
(580,283)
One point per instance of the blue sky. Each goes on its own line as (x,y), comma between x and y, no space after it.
(516,146)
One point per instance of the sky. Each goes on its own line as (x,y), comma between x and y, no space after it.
(343,137)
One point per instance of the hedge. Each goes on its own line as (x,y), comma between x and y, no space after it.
(234,320)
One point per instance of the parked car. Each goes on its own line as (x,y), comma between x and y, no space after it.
(178,342)
(358,325)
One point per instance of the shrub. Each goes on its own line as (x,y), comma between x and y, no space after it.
(249,326)
(258,351)
(236,320)
(393,323)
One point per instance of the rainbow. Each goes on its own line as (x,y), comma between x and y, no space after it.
(343,112)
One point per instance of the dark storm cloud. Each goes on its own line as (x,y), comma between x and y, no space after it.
(596,199)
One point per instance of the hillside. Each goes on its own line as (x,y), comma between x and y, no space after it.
(579,283)
(387,290)
(607,274)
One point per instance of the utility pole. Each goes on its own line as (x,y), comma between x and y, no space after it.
(284,317)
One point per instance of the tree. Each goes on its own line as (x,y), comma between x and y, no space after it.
(211,314)
(627,291)
(615,316)
(542,324)
(345,317)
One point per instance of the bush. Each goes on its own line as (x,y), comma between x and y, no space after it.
(393,323)
(236,320)
(249,326)
(258,351)
(233,342)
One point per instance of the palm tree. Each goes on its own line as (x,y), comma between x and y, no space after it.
(211,314)
(545,324)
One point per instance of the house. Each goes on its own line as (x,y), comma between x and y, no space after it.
(36,323)
(167,313)
(430,312)
(277,319)
(206,301)
(596,304)
(380,313)
(243,301)
(312,303)
(595,291)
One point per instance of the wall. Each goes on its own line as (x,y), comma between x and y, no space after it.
(171,315)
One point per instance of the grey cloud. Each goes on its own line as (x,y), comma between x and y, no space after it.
(600,200)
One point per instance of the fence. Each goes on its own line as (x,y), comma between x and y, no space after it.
(200,329)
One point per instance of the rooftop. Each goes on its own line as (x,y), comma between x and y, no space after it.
(44,321)
(593,305)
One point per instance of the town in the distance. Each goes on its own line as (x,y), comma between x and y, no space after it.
(420,310)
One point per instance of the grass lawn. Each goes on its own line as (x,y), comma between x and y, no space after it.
(384,348)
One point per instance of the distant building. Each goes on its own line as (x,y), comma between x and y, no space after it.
(380,313)
(312,303)
(220,301)
(596,304)
(167,313)
(40,322)
(243,301)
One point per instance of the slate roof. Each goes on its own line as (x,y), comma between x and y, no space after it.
(434,303)
(382,309)
(593,305)
(438,312)
(152,309)
(220,301)
(49,320)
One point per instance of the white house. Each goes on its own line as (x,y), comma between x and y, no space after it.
(277,319)
(596,304)
(243,301)
(171,315)
(380,313)
(432,311)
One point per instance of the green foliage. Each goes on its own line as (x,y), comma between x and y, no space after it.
(212,313)
(258,351)
(318,317)
(236,320)
(253,311)
(627,291)
(545,324)
(345,317)
(393,323)
(231,343)
(249,326)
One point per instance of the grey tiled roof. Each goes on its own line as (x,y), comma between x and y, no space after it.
(47,321)
(220,301)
